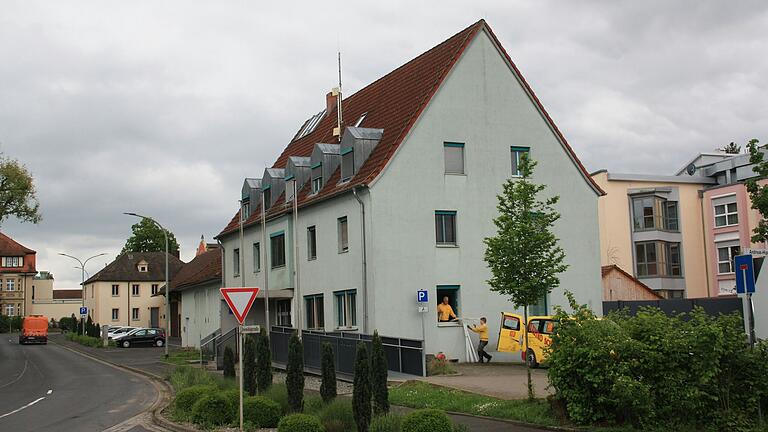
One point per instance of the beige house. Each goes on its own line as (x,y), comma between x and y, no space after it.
(126,291)
(651,227)
(50,302)
(17,270)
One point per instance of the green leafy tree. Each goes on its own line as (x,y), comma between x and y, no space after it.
(294,379)
(328,383)
(379,377)
(361,393)
(731,148)
(148,237)
(229,362)
(758,193)
(524,257)
(18,197)
(249,365)
(263,362)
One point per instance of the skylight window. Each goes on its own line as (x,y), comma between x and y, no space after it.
(360,120)
(310,125)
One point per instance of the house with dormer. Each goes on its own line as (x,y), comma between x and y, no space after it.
(127,291)
(392,190)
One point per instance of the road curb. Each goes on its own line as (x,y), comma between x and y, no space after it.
(164,391)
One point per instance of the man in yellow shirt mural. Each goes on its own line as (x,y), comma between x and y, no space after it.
(445,311)
(482,330)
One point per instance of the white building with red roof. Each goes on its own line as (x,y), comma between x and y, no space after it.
(400,198)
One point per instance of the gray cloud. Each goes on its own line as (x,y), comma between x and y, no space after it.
(164,107)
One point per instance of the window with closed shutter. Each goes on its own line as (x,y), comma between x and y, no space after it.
(454,157)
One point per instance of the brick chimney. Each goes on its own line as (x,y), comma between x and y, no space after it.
(330,102)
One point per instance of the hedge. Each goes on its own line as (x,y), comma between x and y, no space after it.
(300,423)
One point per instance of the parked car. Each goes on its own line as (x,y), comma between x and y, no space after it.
(119,332)
(34,329)
(143,336)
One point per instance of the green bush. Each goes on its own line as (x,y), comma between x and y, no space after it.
(229,362)
(249,365)
(261,411)
(361,392)
(427,420)
(89,341)
(186,398)
(655,371)
(232,397)
(299,423)
(436,366)
(294,374)
(328,369)
(279,394)
(313,405)
(386,423)
(379,376)
(263,362)
(212,410)
(337,416)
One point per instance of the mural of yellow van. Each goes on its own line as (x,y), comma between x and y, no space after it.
(540,330)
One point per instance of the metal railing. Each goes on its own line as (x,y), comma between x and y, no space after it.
(208,346)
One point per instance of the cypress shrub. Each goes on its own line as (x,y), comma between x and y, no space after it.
(361,394)
(294,379)
(263,362)
(249,365)
(229,362)
(379,377)
(328,384)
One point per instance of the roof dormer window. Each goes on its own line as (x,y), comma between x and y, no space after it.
(317,177)
(142,266)
(347,163)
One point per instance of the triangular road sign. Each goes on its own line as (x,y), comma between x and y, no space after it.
(239,300)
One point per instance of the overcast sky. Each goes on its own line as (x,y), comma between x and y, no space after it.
(163,107)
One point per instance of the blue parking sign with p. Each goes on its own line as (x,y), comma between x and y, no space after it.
(83,310)
(422,296)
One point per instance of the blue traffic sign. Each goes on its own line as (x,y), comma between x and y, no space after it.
(422,296)
(83,310)
(745,274)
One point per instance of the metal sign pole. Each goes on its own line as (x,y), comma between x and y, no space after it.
(240,362)
(423,347)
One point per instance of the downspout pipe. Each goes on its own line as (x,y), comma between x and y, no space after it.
(364,263)
(704,238)
(223,279)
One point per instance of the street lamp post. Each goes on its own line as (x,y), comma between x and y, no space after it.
(167,287)
(82,274)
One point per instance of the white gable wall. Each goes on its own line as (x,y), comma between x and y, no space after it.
(482,105)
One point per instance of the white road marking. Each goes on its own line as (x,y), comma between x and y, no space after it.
(24,407)
(49,391)
(18,377)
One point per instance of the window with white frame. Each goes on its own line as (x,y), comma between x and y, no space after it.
(16,261)
(314,310)
(155,288)
(445,227)
(517,154)
(453,153)
(284,313)
(9,309)
(317,178)
(343,235)
(10,285)
(277,249)
(115,314)
(726,215)
(135,314)
(115,290)
(236,262)
(135,290)
(256,257)
(725,255)
(346,308)
(246,210)
(311,243)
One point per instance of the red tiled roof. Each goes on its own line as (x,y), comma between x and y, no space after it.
(204,268)
(67,294)
(9,247)
(393,102)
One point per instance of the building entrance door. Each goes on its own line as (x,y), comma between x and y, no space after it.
(154,317)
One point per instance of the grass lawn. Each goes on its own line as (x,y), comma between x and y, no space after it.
(417,394)
(182,357)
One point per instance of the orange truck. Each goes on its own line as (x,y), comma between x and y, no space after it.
(34,330)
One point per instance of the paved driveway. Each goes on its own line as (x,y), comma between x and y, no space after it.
(501,380)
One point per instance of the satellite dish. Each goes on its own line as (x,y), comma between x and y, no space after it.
(691,169)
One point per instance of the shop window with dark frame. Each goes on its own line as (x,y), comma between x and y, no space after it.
(284,313)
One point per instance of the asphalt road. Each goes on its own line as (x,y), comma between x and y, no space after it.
(49,388)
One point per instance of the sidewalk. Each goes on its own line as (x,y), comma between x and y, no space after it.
(500,380)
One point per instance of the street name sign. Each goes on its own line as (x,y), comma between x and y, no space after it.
(422,296)
(745,274)
(239,300)
(247,329)
(83,310)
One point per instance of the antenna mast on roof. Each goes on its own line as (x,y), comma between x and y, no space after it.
(339,118)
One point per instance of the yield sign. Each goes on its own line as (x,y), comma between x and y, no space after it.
(239,300)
